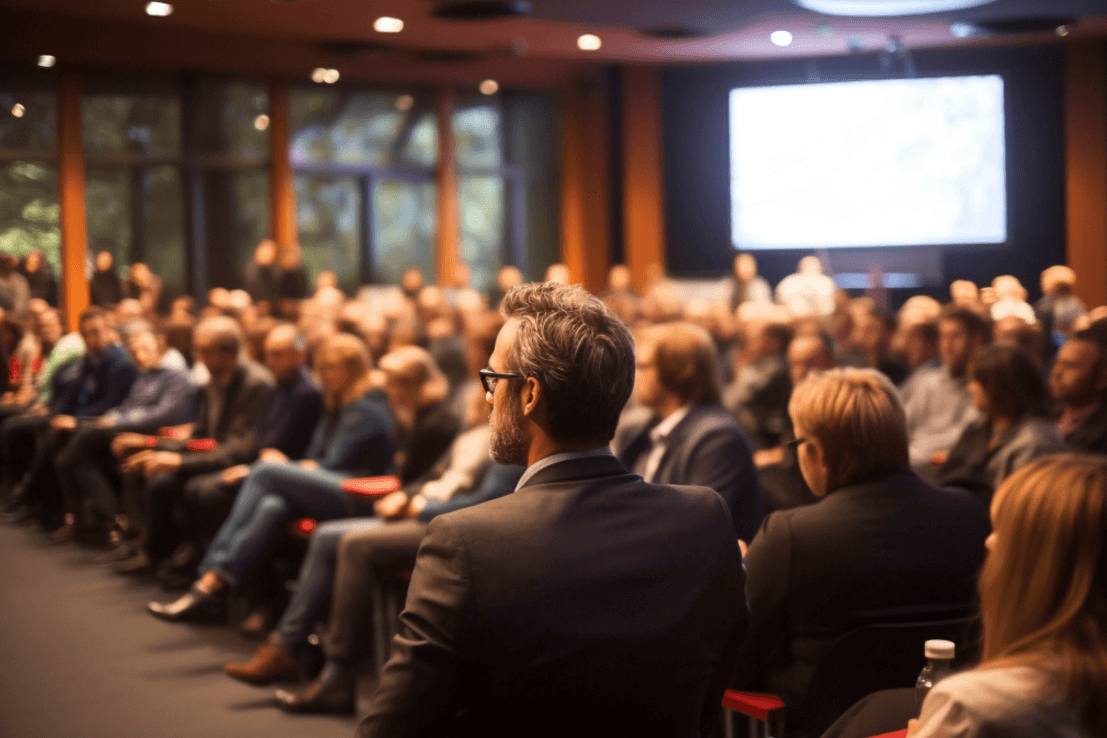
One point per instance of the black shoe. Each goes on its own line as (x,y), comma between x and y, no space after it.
(123,550)
(137,565)
(194,606)
(66,533)
(335,697)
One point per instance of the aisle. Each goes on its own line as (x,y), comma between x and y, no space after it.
(80,658)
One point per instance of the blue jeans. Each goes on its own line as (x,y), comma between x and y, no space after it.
(271,496)
(316,579)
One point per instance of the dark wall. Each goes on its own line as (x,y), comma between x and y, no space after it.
(695,136)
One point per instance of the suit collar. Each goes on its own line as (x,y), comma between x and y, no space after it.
(574,469)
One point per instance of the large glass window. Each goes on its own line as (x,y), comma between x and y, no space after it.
(329,213)
(404,227)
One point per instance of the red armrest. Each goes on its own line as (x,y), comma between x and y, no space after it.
(202,444)
(767,707)
(893,734)
(302,528)
(371,486)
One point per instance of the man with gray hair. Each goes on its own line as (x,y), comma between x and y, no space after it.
(588,602)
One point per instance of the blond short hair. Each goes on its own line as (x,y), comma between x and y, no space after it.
(858,419)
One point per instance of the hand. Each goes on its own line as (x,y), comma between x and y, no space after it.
(235,474)
(272,455)
(415,506)
(105,421)
(390,506)
(7,398)
(161,461)
(136,462)
(309,464)
(125,442)
(63,422)
(38,410)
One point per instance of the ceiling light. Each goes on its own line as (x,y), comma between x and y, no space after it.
(159,10)
(405,103)
(489,87)
(962,29)
(885,8)
(589,42)
(46,61)
(330,76)
(261,122)
(384,24)
(1062,31)
(780,38)
(318,75)
(17,110)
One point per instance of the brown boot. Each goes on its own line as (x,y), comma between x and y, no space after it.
(270,663)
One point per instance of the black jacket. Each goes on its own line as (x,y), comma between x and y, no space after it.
(706,449)
(586,603)
(891,549)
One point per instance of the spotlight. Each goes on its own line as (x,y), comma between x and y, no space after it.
(261,122)
(1062,31)
(589,42)
(385,24)
(330,76)
(318,75)
(159,10)
(18,110)
(405,103)
(962,29)
(489,87)
(780,38)
(46,61)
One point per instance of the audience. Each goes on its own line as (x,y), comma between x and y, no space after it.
(882,543)
(758,396)
(105,287)
(1043,594)
(40,277)
(1077,382)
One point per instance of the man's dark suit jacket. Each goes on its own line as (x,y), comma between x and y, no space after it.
(586,603)
(706,449)
(893,549)
(1091,435)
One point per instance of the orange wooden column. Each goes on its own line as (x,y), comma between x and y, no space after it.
(586,184)
(71,196)
(282,191)
(1086,167)
(643,183)
(448,237)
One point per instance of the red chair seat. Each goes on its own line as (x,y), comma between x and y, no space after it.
(893,734)
(371,486)
(767,707)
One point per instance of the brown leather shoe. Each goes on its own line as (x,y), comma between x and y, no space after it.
(269,664)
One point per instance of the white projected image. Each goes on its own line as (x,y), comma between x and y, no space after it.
(887,163)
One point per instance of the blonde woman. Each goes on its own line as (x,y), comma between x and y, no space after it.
(354,438)
(1043,595)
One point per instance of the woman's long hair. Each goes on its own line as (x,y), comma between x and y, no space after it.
(1043,588)
(352,352)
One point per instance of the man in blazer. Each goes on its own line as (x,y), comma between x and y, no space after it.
(688,437)
(588,602)
(883,546)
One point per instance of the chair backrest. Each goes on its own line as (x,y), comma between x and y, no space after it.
(872,658)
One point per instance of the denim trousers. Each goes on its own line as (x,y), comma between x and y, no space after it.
(272,495)
(316,579)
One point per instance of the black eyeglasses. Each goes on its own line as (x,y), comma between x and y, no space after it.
(488,378)
(793,446)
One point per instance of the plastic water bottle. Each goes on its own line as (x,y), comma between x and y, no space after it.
(939,665)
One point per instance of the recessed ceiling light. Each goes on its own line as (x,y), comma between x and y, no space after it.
(46,61)
(962,29)
(780,38)
(589,42)
(1062,31)
(489,87)
(886,8)
(405,103)
(330,76)
(159,10)
(319,74)
(18,110)
(261,122)
(385,24)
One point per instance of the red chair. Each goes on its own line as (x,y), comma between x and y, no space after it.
(371,486)
(764,711)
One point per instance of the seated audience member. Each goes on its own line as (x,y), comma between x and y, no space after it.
(102,380)
(105,287)
(354,438)
(919,343)
(616,600)
(261,274)
(808,292)
(1017,332)
(507,278)
(747,285)
(939,407)
(872,336)
(758,396)
(55,351)
(162,395)
(145,287)
(1010,394)
(15,293)
(229,407)
(882,543)
(1078,382)
(1059,307)
(689,439)
(40,277)
(1043,594)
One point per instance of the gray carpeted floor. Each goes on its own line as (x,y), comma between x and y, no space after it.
(81,658)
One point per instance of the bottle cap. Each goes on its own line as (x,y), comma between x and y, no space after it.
(940,649)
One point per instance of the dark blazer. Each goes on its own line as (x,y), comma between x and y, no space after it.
(706,449)
(1091,435)
(891,549)
(586,603)
(356,440)
(102,384)
(289,415)
(234,430)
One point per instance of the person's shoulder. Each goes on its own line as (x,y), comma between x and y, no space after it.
(990,693)
(256,375)
(1039,431)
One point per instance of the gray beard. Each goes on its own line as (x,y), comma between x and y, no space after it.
(510,441)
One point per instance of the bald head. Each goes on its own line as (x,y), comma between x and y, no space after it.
(285,352)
